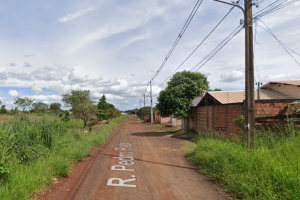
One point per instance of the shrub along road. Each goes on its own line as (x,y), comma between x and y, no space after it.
(137,162)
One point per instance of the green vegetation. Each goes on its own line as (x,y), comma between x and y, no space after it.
(23,102)
(33,153)
(182,88)
(3,110)
(82,106)
(54,107)
(39,107)
(143,112)
(271,171)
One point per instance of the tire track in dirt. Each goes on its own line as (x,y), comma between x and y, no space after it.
(161,170)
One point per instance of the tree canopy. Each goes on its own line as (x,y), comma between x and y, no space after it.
(103,108)
(82,106)
(23,102)
(3,110)
(55,107)
(40,107)
(182,88)
(143,112)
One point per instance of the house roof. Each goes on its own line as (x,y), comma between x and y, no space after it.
(197,100)
(229,97)
(290,82)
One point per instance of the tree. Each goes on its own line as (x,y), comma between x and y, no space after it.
(15,111)
(113,113)
(143,112)
(103,107)
(177,98)
(23,102)
(3,110)
(40,107)
(64,115)
(55,107)
(82,106)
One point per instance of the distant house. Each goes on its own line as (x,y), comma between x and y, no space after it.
(166,120)
(217,110)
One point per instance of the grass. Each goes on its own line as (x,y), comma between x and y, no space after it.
(271,171)
(36,152)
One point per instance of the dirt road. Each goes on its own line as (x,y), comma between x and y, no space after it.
(136,163)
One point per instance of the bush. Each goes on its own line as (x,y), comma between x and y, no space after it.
(271,171)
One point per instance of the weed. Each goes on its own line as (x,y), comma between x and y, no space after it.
(270,171)
(32,153)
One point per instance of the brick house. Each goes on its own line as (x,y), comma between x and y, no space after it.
(217,110)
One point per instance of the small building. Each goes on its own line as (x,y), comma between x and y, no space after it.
(217,110)
(166,120)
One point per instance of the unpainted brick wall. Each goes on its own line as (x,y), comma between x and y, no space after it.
(270,109)
(219,118)
(234,111)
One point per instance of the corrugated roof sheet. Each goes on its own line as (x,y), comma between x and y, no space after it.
(228,97)
(290,82)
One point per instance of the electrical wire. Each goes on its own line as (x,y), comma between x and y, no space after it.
(282,45)
(197,47)
(196,7)
(218,48)
(188,21)
(278,4)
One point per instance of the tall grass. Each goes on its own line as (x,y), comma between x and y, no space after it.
(36,152)
(271,171)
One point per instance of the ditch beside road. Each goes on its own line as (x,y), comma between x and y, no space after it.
(136,162)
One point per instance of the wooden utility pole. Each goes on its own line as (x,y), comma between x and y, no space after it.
(151,103)
(144,99)
(249,72)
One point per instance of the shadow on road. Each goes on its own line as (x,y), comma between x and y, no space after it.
(162,134)
(158,163)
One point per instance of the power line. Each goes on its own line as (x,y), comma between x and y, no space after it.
(179,37)
(196,47)
(282,45)
(279,4)
(218,48)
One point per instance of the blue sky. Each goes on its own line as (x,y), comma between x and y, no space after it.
(114,47)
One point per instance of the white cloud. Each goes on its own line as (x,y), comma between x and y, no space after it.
(13,93)
(232,76)
(19,74)
(278,77)
(52,72)
(46,97)
(71,17)
(26,64)
(11,64)
(29,55)
(3,74)
(135,39)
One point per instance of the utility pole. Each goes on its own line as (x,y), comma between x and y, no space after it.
(258,90)
(249,71)
(144,99)
(250,123)
(151,103)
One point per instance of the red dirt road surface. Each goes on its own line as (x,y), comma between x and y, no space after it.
(137,162)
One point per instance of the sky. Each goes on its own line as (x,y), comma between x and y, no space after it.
(114,47)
